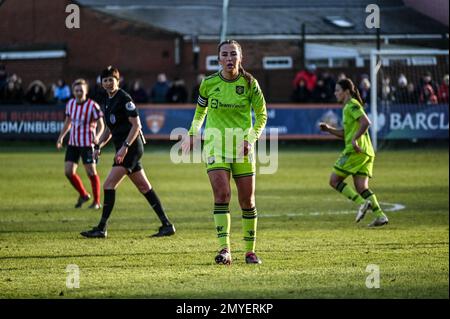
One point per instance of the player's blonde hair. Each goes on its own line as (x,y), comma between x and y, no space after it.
(80,81)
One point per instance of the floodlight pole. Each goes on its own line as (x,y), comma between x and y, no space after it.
(223,31)
(303,47)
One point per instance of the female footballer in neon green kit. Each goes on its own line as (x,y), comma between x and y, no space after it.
(358,156)
(228,97)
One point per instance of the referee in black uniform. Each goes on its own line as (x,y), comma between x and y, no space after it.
(124,126)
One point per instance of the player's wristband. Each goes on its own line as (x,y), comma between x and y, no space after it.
(126,144)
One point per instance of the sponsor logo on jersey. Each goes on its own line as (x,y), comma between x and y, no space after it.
(130,106)
(231,106)
(239,89)
(214,103)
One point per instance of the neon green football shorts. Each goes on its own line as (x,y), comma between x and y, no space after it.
(247,166)
(354,164)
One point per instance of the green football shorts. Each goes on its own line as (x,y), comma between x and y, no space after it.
(354,164)
(246,166)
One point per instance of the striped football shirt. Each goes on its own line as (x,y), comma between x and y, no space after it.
(84,118)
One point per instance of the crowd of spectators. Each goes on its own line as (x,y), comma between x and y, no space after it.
(12,90)
(426,91)
(307,87)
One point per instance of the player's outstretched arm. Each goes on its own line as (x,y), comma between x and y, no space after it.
(332,130)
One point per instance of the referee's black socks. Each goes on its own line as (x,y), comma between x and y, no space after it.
(154,201)
(108,205)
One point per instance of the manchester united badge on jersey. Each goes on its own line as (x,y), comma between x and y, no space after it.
(239,89)
(130,106)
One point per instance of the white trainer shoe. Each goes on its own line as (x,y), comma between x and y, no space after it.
(379,221)
(363,210)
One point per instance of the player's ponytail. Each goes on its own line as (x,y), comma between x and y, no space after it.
(357,95)
(347,84)
(247,76)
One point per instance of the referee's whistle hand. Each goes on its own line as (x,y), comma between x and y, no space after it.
(120,155)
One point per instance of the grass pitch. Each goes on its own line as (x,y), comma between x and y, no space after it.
(307,237)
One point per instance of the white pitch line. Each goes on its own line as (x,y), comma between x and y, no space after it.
(394,207)
(344,212)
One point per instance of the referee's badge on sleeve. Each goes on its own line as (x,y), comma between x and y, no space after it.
(130,106)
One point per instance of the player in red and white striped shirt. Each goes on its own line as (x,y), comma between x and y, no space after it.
(84,119)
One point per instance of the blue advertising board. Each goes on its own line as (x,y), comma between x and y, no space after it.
(293,121)
(412,121)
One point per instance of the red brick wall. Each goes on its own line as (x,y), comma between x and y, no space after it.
(138,51)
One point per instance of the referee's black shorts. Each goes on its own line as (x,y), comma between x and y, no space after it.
(73,154)
(132,161)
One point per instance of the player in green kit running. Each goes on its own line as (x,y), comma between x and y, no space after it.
(358,156)
(228,97)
